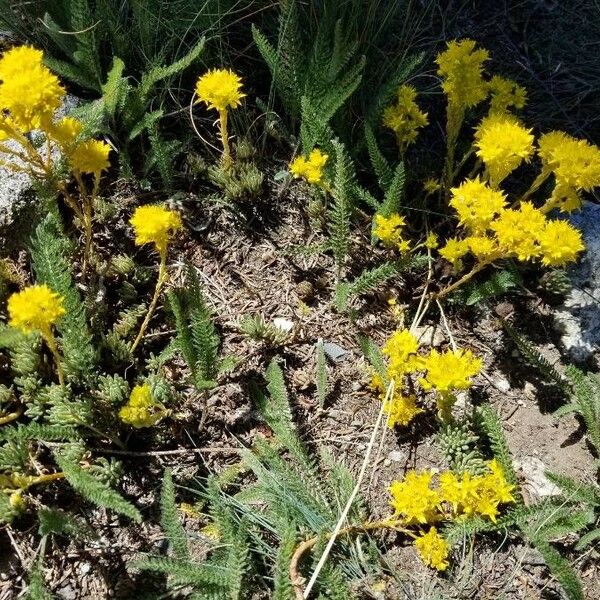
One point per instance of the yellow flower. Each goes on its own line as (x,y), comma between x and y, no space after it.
(450,370)
(517,230)
(29,91)
(414,500)
(405,117)
(454,250)
(433,549)
(461,68)
(401,410)
(560,243)
(505,93)
(155,225)
(310,169)
(502,143)
(431,241)
(19,59)
(65,132)
(401,350)
(482,247)
(36,308)
(476,204)
(91,157)
(431,185)
(220,89)
(470,495)
(142,410)
(389,229)
(574,162)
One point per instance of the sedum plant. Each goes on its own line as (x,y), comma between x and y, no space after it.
(220,89)
(37,308)
(154,225)
(30,94)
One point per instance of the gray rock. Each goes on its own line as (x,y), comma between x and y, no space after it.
(17,199)
(578,318)
(535,482)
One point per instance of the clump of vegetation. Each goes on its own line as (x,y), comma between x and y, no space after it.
(94,366)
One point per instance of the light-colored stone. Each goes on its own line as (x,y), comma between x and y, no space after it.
(15,187)
(535,482)
(578,319)
(430,335)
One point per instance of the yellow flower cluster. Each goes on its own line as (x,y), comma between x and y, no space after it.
(405,117)
(575,164)
(471,495)
(29,97)
(90,156)
(433,549)
(36,308)
(29,92)
(450,370)
(461,68)
(502,143)
(416,501)
(505,94)
(155,225)
(220,89)
(443,372)
(312,168)
(389,230)
(142,410)
(495,232)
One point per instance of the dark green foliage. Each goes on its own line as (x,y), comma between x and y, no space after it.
(51,260)
(534,357)
(340,213)
(197,337)
(381,167)
(313,82)
(488,422)
(58,522)
(82,36)
(368,281)
(222,574)
(169,519)
(93,490)
(373,355)
(497,284)
(124,111)
(585,400)
(37,589)
(394,193)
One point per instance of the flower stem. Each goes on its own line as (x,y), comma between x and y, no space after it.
(295,577)
(53,347)
(225,138)
(162,277)
(466,277)
(10,417)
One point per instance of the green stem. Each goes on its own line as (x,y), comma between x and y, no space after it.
(53,347)
(162,277)
(466,277)
(225,138)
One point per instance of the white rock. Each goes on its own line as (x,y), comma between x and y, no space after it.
(535,481)
(283,324)
(396,456)
(578,319)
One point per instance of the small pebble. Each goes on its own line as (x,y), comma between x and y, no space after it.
(396,456)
